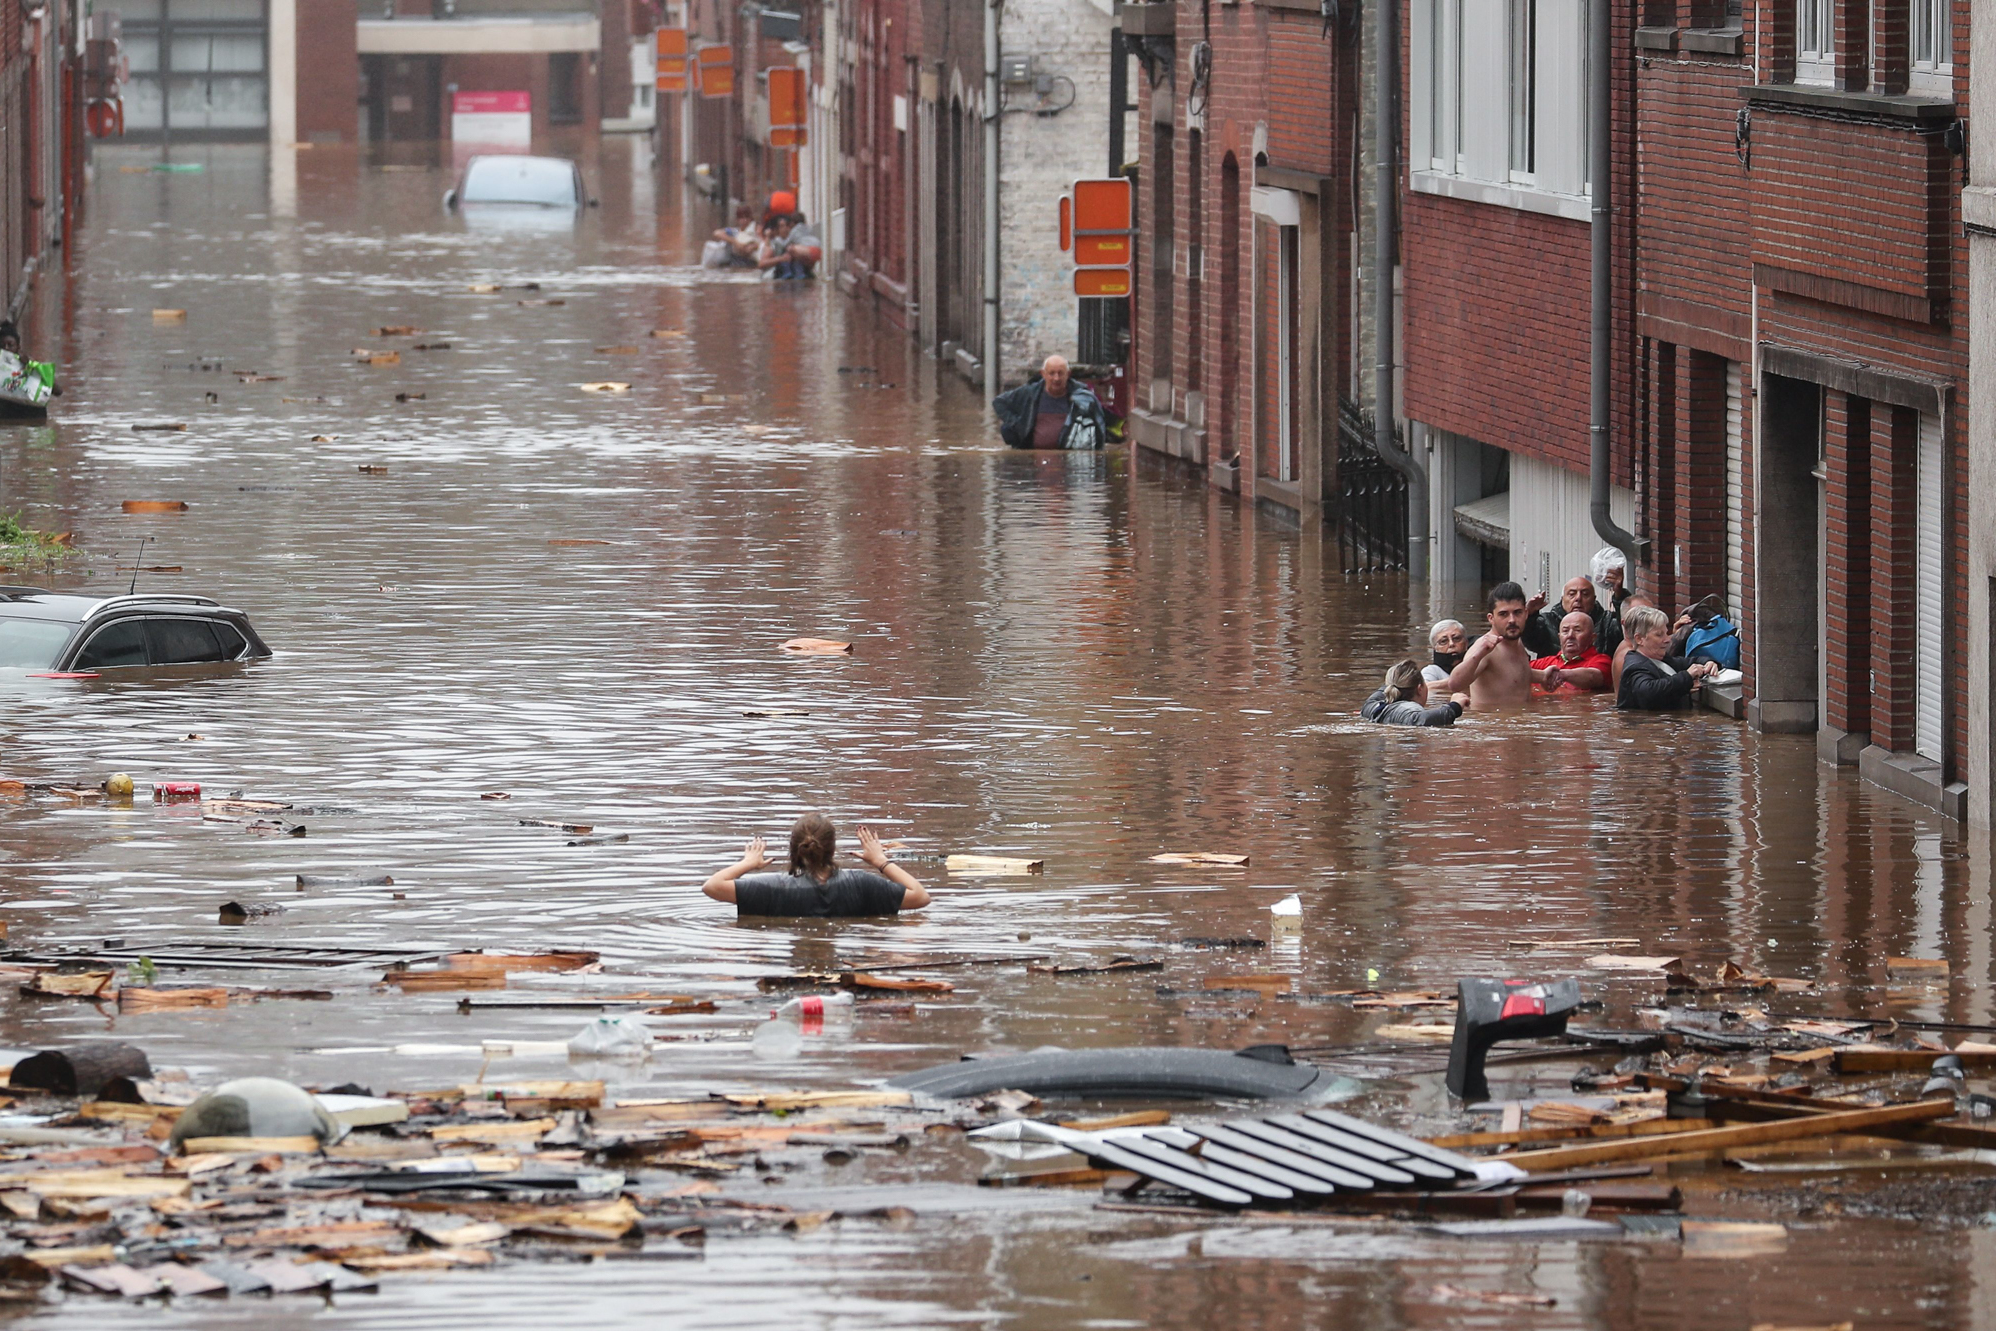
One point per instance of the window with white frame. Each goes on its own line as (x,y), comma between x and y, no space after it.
(1522,43)
(1500,98)
(1815,41)
(1932,47)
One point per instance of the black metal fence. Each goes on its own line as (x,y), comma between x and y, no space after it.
(1371,499)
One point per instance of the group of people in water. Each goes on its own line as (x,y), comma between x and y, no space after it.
(782,242)
(1626,646)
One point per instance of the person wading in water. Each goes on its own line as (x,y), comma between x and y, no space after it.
(814,886)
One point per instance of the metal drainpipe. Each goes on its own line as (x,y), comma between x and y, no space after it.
(1600,163)
(991,113)
(1386,136)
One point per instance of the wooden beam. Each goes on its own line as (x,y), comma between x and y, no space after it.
(1858,1121)
(1588,1132)
(1905,1060)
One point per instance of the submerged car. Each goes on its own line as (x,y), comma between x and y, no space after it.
(41,630)
(513,180)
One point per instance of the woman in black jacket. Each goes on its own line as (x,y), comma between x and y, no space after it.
(1653,681)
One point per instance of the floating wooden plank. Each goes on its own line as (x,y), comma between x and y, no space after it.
(530,1130)
(1201,857)
(992,865)
(1142,1118)
(897,983)
(1111,966)
(94,985)
(1617,961)
(1722,1139)
(1273,984)
(249,1145)
(818,647)
(1850,1061)
(1922,968)
(171,1000)
(605,386)
(1597,1131)
(789,1101)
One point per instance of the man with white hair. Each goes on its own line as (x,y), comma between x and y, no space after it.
(1449,641)
(1052,411)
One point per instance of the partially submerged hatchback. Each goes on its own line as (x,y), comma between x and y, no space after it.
(60,632)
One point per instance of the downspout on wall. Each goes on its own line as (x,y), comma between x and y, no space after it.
(992,112)
(1386,130)
(1601,160)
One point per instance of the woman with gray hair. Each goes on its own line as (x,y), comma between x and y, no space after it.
(1403,701)
(1653,680)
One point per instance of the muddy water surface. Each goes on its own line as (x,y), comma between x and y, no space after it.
(577,598)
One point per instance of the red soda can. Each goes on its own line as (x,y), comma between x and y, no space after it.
(175,792)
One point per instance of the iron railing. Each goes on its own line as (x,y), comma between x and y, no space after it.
(1371,500)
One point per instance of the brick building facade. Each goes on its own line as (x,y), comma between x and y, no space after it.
(1247,117)
(894,170)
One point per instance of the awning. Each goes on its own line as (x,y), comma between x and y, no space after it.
(1486,520)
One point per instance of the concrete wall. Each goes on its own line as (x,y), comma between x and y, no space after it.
(1979,207)
(1041,150)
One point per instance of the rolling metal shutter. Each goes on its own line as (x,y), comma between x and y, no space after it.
(1735,491)
(1928,595)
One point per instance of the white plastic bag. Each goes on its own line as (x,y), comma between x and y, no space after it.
(714,254)
(612,1037)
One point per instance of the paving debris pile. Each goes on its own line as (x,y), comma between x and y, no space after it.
(118,1179)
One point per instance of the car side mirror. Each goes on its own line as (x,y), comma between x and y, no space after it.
(450,198)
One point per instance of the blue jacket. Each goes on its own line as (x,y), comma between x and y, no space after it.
(1407,712)
(1087,424)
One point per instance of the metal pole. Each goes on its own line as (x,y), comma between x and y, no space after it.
(1386,142)
(992,381)
(1600,162)
(1119,96)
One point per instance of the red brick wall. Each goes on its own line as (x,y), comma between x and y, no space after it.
(328,72)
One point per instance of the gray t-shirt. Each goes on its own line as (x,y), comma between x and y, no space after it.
(846,892)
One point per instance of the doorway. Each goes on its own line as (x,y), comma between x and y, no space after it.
(1788,527)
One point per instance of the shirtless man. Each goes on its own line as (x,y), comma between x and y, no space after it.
(1497,673)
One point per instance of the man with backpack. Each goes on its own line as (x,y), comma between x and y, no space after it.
(1052,411)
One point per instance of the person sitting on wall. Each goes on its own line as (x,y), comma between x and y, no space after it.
(791,249)
(1403,701)
(1449,641)
(813,887)
(1497,671)
(742,239)
(1541,635)
(1652,681)
(1051,411)
(10,342)
(1577,667)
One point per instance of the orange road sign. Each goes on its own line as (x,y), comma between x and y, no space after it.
(670,43)
(1102,251)
(672,73)
(787,104)
(1101,281)
(716,65)
(783,136)
(1103,207)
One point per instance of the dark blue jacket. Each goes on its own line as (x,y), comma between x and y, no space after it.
(1087,424)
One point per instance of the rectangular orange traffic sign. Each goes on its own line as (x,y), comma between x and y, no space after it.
(716,65)
(670,43)
(1102,251)
(672,73)
(787,106)
(1103,207)
(1101,281)
(787,136)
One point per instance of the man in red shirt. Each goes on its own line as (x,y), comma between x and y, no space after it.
(1576,667)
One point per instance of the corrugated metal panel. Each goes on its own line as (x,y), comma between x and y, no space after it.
(1735,489)
(1928,597)
(1552,527)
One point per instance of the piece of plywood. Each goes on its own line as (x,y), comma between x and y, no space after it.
(818,647)
(1201,857)
(992,865)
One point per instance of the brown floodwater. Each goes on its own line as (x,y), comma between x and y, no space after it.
(578,599)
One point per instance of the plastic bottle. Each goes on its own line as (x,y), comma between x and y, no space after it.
(811,1007)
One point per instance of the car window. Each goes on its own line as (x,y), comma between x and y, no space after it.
(543,180)
(122,643)
(182,641)
(233,643)
(31,644)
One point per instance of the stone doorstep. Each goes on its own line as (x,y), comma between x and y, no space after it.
(1725,699)
(1912,777)
(1167,435)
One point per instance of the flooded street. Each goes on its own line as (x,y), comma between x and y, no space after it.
(577,598)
